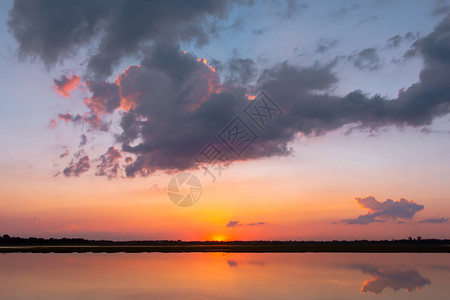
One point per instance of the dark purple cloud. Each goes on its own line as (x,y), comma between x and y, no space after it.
(366,59)
(173,104)
(437,220)
(385,211)
(55,30)
(109,163)
(237,223)
(233,224)
(77,167)
(64,154)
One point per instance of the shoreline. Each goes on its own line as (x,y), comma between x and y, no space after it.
(229,248)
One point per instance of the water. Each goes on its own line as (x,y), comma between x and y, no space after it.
(224,276)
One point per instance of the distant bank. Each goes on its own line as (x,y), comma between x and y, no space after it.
(38,245)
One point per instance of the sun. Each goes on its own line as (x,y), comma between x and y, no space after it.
(219,238)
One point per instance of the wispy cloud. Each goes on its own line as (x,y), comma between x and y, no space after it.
(237,223)
(435,220)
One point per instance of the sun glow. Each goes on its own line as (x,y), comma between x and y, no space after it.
(219,238)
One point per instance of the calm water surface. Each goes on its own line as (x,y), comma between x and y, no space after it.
(224,276)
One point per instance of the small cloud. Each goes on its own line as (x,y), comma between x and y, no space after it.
(52,124)
(255,224)
(76,168)
(64,154)
(109,163)
(66,84)
(233,224)
(384,211)
(366,59)
(83,140)
(435,220)
(259,31)
(237,223)
(396,40)
(325,44)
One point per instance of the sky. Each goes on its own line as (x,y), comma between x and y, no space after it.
(237,120)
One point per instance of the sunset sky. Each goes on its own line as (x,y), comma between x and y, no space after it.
(103,102)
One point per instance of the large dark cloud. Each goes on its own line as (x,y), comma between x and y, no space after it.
(177,105)
(53,30)
(173,104)
(384,211)
(393,278)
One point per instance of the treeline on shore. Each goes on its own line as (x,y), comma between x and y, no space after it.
(7,240)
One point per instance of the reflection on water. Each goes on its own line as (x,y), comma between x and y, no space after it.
(224,276)
(394,278)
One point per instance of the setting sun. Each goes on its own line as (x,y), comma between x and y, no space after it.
(219,238)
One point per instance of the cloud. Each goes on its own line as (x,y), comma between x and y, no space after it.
(242,70)
(384,211)
(237,223)
(64,154)
(52,124)
(66,84)
(435,220)
(325,44)
(256,224)
(173,103)
(393,278)
(366,59)
(109,163)
(76,168)
(105,97)
(233,224)
(91,119)
(121,27)
(83,140)
(291,8)
(396,40)
(441,8)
